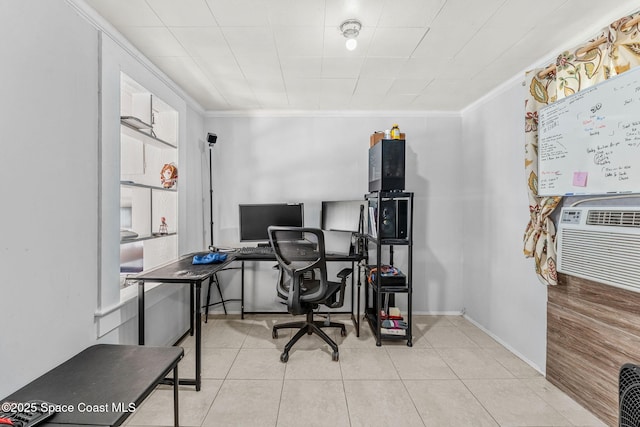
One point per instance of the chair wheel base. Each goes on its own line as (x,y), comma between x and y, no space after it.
(334,356)
(274,334)
(343,332)
(284,357)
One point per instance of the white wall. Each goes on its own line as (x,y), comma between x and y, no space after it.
(262,159)
(49,175)
(59,171)
(501,291)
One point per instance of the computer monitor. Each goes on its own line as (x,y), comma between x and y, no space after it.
(343,215)
(256,218)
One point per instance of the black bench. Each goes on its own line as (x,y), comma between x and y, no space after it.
(103,384)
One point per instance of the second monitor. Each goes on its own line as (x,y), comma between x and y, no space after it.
(256,218)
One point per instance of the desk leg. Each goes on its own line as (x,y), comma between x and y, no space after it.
(242,291)
(358,296)
(176,418)
(191,308)
(355,318)
(198,320)
(141,313)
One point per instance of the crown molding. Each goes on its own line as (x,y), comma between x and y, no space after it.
(329,113)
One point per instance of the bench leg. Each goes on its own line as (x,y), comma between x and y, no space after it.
(176,417)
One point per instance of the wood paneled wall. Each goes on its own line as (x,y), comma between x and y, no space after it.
(592,330)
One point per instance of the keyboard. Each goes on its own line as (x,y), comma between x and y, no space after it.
(253,250)
(25,414)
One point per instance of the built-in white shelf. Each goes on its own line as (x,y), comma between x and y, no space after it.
(137,133)
(152,187)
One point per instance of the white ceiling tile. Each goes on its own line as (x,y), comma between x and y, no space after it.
(366,11)
(264,64)
(409,13)
(301,67)
(423,68)
(201,41)
(373,86)
(243,101)
(240,13)
(218,67)
(341,67)
(336,92)
(393,101)
(296,12)
(396,42)
(382,68)
(523,14)
(126,13)
(461,69)
(466,15)
(443,42)
(266,84)
(454,102)
(408,86)
(299,41)
(303,101)
(304,86)
(485,46)
(154,41)
(250,40)
(270,100)
(238,87)
(367,101)
(183,13)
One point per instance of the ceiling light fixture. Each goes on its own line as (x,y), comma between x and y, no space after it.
(350,29)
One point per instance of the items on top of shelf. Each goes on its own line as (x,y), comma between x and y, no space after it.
(395,132)
(169,175)
(385,271)
(379,135)
(164,228)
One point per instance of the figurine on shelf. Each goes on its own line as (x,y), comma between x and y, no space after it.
(164,228)
(169,175)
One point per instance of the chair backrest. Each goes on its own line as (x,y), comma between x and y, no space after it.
(299,251)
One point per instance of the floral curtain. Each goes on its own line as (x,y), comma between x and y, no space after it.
(613,51)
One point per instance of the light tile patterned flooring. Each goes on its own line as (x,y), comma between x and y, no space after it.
(454,375)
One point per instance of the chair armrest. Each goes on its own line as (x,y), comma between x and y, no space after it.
(344,273)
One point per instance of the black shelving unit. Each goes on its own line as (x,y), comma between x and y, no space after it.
(390,226)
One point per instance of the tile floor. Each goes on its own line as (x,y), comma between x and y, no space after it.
(454,375)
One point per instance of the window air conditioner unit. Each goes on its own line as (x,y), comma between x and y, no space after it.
(601,244)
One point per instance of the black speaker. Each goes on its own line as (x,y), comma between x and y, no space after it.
(394,219)
(386,165)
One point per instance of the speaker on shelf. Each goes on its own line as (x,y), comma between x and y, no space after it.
(386,165)
(394,219)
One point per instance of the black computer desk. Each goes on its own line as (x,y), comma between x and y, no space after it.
(181,271)
(184,271)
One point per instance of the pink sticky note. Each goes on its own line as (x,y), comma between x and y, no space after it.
(580,179)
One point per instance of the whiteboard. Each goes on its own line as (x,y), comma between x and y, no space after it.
(589,142)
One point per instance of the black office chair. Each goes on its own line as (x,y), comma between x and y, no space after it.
(303,282)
